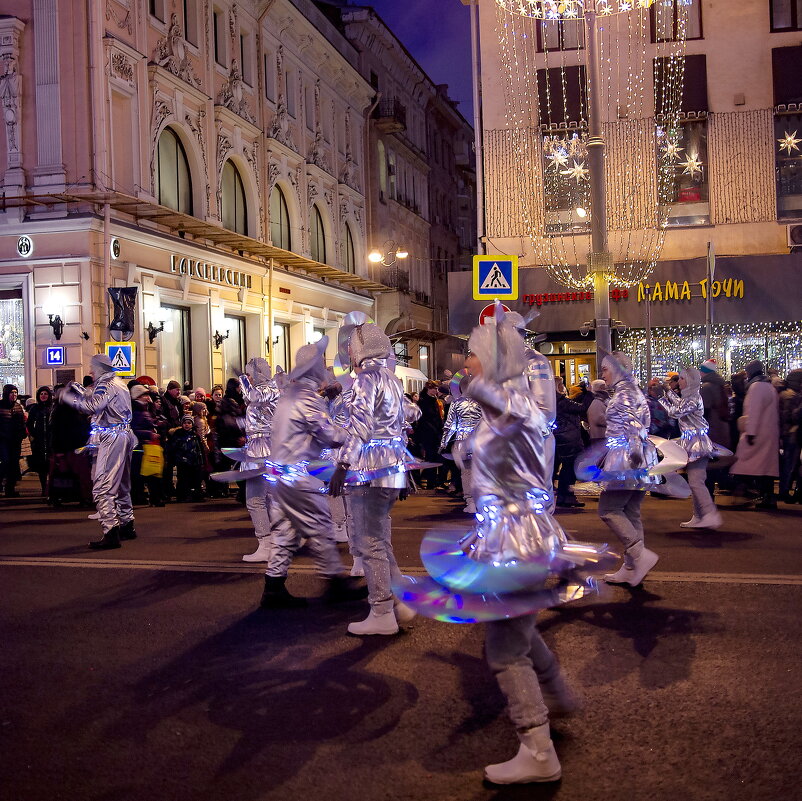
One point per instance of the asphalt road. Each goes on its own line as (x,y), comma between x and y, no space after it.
(148,673)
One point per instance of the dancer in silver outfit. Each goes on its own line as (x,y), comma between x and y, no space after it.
(112,443)
(512,484)
(688,409)
(625,475)
(376,443)
(261,395)
(463,416)
(301,429)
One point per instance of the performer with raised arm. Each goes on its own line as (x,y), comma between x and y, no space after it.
(112,443)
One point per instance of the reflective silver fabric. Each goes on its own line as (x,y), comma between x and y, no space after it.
(512,481)
(378,417)
(688,410)
(630,453)
(541,384)
(261,399)
(109,404)
(340,408)
(463,416)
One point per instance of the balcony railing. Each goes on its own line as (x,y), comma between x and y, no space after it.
(391,115)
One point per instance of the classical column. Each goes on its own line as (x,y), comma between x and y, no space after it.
(11,100)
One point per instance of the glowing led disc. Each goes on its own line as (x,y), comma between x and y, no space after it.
(227,476)
(237,454)
(453,386)
(674,456)
(674,485)
(586,465)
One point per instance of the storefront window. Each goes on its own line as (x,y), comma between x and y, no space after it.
(424,360)
(235,210)
(279,220)
(788,165)
(12,339)
(683,174)
(281,346)
(234,347)
(173,179)
(317,235)
(174,345)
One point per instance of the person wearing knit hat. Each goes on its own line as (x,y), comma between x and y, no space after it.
(708,366)
(138,391)
(185,450)
(689,411)
(629,456)
(112,442)
(301,429)
(597,411)
(717,413)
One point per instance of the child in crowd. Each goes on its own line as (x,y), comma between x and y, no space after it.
(186,452)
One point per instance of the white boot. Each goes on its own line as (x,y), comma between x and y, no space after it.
(710,520)
(358,569)
(692,523)
(638,561)
(622,575)
(375,624)
(262,553)
(470,507)
(404,614)
(536,761)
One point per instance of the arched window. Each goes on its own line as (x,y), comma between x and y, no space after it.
(235,210)
(173,179)
(279,220)
(317,236)
(349,259)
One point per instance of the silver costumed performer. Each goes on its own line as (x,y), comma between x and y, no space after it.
(688,408)
(624,470)
(463,417)
(261,394)
(301,430)
(379,413)
(112,443)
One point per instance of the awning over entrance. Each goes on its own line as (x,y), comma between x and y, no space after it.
(177,221)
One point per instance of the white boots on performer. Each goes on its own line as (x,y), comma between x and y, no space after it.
(388,623)
(261,554)
(712,519)
(536,760)
(638,561)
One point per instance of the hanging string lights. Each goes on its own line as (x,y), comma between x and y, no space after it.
(641,46)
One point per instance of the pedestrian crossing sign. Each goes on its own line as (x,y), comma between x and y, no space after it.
(495,278)
(123,357)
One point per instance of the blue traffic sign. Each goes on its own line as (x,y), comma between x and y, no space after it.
(495,277)
(123,357)
(54,356)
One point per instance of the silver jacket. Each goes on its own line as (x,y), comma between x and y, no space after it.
(340,408)
(463,416)
(541,384)
(688,410)
(512,480)
(629,451)
(379,415)
(261,399)
(108,403)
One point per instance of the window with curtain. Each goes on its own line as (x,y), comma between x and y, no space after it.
(174,349)
(317,236)
(235,210)
(279,220)
(173,179)
(668,17)
(349,260)
(234,346)
(786,15)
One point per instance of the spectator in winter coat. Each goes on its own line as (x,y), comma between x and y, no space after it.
(661,424)
(790,439)
(568,440)
(714,398)
(758,454)
(429,430)
(39,433)
(69,430)
(143,424)
(597,411)
(12,432)
(187,454)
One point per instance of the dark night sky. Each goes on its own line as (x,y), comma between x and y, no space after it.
(438,34)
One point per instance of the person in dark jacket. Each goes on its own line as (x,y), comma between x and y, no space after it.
(189,456)
(12,432)
(230,430)
(69,430)
(661,424)
(429,430)
(736,405)
(143,424)
(790,439)
(568,441)
(39,433)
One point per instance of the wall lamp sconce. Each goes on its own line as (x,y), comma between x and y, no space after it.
(57,324)
(154,332)
(392,252)
(218,338)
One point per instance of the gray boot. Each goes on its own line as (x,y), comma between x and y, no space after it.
(536,760)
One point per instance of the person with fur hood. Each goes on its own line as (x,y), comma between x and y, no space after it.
(688,410)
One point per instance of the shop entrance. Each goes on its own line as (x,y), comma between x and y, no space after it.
(574,361)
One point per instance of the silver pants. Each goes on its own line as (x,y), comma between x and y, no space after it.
(257,503)
(307,514)
(342,517)
(370,509)
(111,479)
(697,475)
(467,482)
(522,663)
(620,510)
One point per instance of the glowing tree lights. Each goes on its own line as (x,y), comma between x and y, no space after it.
(593,90)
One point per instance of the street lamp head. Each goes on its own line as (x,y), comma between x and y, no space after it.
(374,256)
(401,254)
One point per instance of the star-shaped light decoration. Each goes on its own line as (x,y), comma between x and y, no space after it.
(559,158)
(672,150)
(789,142)
(691,165)
(579,172)
(604,8)
(625,6)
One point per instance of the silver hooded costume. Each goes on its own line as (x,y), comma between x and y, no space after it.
(462,419)
(110,439)
(688,409)
(301,429)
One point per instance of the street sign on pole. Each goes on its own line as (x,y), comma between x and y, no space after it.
(711,272)
(495,278)
(123,357)
(489,312)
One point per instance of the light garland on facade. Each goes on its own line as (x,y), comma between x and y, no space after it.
(552,174)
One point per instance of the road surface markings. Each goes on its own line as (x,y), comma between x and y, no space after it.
(259,567)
